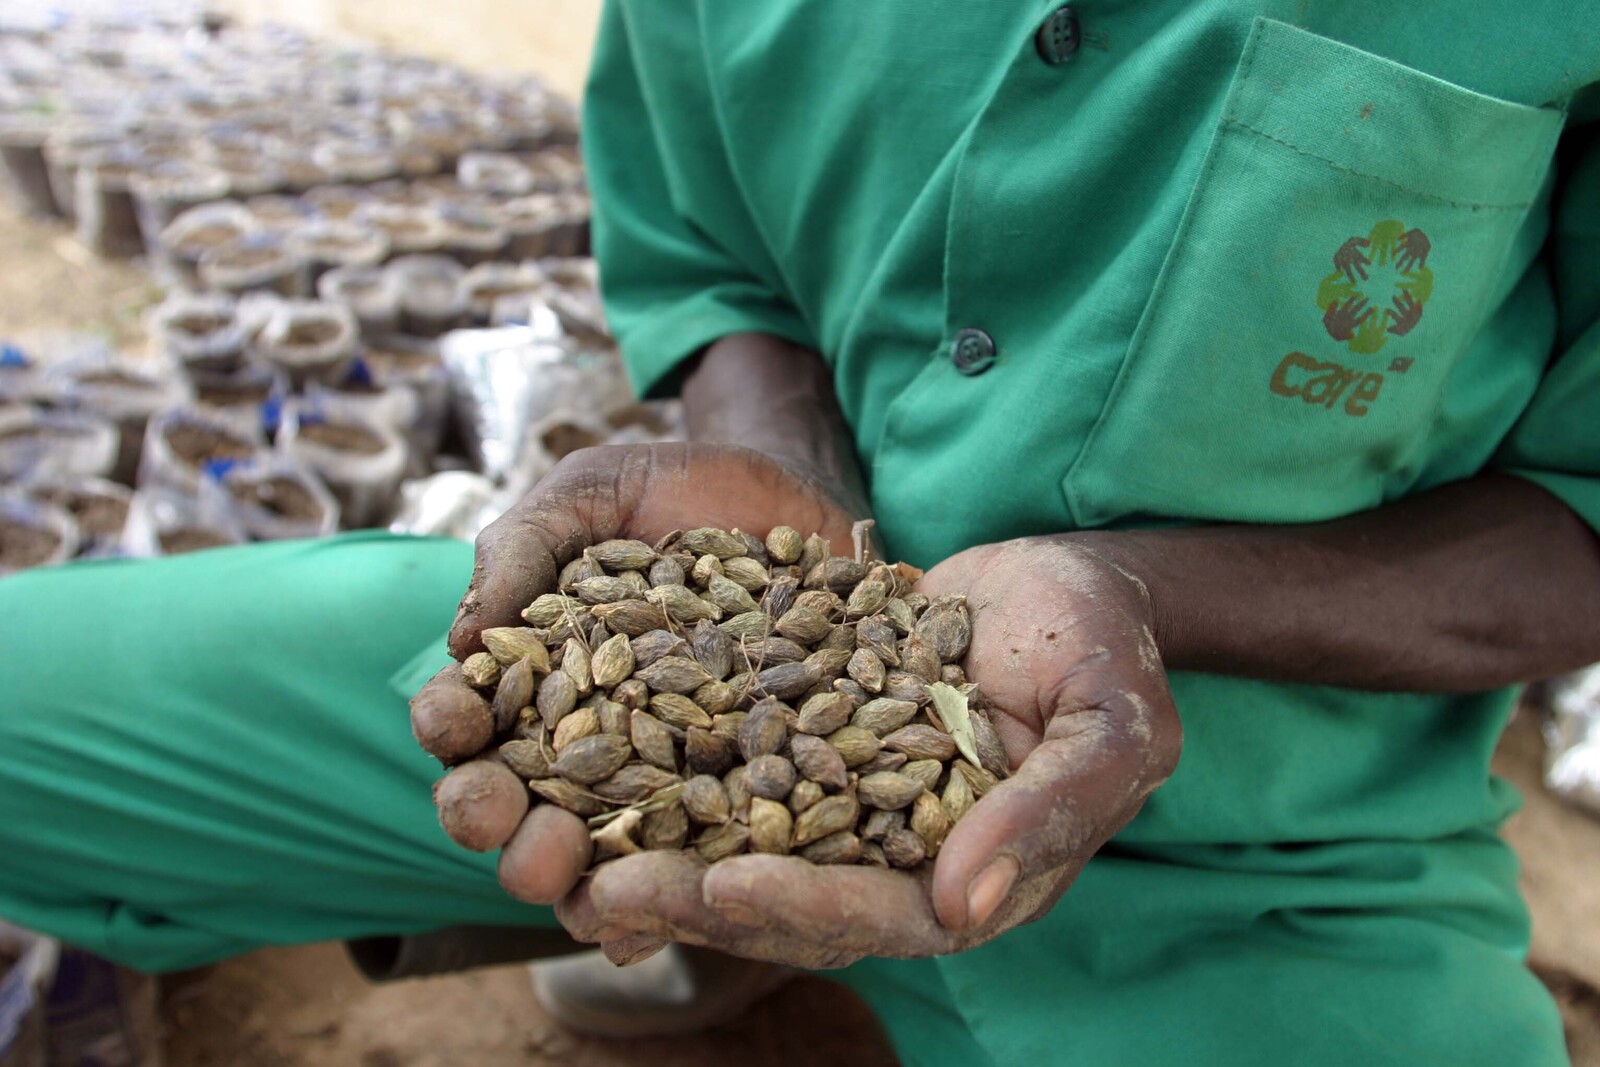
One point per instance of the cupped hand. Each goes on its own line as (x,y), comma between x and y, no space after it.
(1063,650)
(593,495)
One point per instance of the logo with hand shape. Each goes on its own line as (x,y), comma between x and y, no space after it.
(1390,253)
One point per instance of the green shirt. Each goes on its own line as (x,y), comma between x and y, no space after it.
(1240,261)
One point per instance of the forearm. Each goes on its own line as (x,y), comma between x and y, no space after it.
(775,397)
(1480,584)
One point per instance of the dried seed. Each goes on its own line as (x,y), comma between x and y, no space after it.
(780,596)
(979,780)
(991,750)
(674,709)
(843,638)
(560,630)
(952,674)
(819,761)
(926,771)
(814,551)
(720,842)
(712,648)
(706,753)
(770,826)
(842,847)
(878,637)
(705,568)
(899,685)
(604,590)
(547,609)
(633,617)
(827,816)
(751,624)
(612,662)
(737,783)
(884,715)
(748,573)
(822,601)
(866,669)
(623,555)
(510,643)
(652,740)
(883,761)
(916,602)
(631,694)
(803,624)
(904,849)
(754,547)
(668,541)
(526,759)
(580,724)
(824,713)
(764,730)
(633,783)
(946,626)
(852,691)
(770,652)
(718,543)
(770,776)
(867,598)
(575,664)
(804,795)
(888,790)
(880,824)
(682,605)
(918,658)
(921,742)
(855,745)
(930,822)
(613,718)
(832,662)
(787,680)
(673,674)
(514,693)
(656,644)
(872,854)
(728,724)
(665,829)
(481,669)
(784,544)
(578,570)
(958,798)
(706,801)
(715,697)
(899,615)
(557,697)
(564,794)
(590,759)
(599,634)
(837,574)
(666,571)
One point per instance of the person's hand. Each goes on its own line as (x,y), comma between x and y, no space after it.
(1063,650)
(593,495)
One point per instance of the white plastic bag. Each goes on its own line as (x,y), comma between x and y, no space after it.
(360,461)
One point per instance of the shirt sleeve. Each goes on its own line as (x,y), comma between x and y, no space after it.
(1556,442)
(668,287)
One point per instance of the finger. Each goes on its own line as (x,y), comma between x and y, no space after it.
(1086,779)
(480,804)
(659,893)
(865,911)
(449,719)
(546,856)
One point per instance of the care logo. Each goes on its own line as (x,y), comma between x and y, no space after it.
(1379,287)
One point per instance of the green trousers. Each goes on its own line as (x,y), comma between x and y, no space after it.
(210,753)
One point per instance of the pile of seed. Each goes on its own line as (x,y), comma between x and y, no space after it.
(723,693)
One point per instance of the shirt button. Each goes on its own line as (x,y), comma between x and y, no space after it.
(1058,39)
(972,351)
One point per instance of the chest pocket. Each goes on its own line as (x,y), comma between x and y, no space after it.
(1346,242)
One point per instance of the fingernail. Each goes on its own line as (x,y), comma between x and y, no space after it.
(736,913)
(629,952)
(989,888)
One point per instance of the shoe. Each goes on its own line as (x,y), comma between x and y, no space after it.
(680,990)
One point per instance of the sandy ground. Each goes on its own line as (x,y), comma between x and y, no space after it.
(307,1006)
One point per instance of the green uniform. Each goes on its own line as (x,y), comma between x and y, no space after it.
(1141,263)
